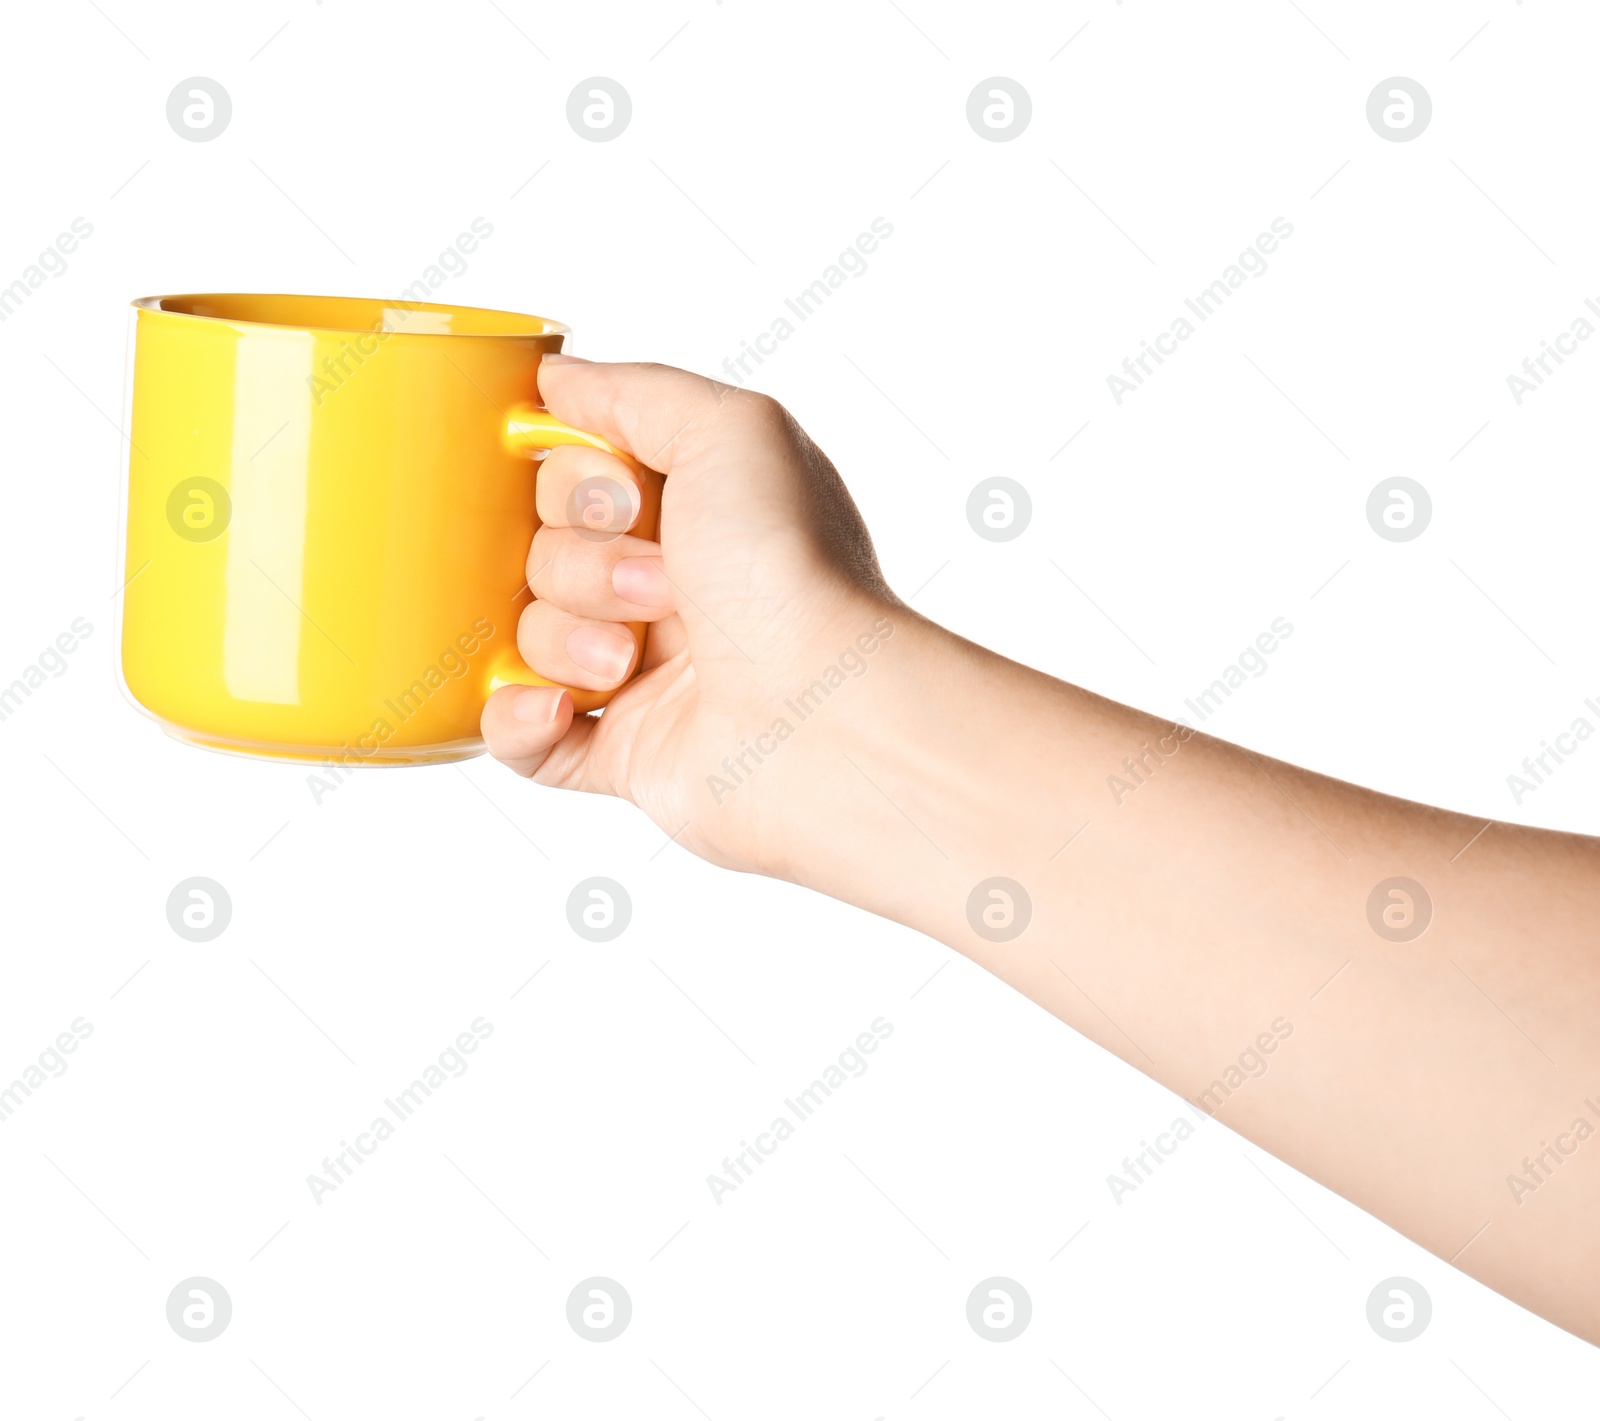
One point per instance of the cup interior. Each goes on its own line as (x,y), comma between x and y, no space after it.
(352,313)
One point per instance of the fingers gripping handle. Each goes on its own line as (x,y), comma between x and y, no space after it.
(529,430)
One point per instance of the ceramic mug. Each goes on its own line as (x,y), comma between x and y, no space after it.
(329,507)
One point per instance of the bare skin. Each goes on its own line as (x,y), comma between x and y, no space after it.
(1437,1079)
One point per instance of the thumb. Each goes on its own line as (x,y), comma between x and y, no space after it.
(662,416)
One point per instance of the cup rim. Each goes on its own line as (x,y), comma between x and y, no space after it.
(157,305)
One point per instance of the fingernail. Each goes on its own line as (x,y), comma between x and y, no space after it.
(606,653)
(556,358)
(538,705)
(642,581)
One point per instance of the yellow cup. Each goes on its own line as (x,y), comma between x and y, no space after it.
(329,507)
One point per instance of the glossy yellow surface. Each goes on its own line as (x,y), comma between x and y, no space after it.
(329,507)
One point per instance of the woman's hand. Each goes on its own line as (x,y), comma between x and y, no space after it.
(1216,930)
(763,576)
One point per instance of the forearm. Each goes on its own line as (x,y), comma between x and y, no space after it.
(1202,912)
(1205,913)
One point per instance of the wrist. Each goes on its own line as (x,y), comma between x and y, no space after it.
(915,783)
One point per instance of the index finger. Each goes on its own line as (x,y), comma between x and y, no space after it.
(588,489)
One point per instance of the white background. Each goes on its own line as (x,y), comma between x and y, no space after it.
(369,930)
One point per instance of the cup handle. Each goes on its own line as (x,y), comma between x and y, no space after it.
(528,428)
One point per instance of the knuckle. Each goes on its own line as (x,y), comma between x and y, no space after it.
(527,619)
(750,409)
(560,456)
(546,560)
